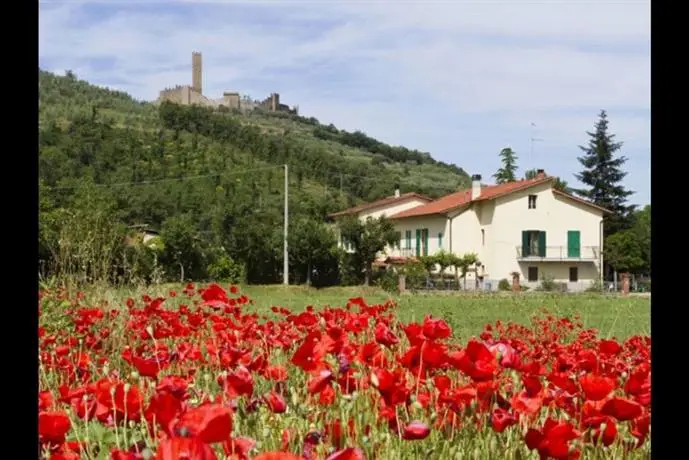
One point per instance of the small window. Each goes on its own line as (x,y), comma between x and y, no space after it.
(483,237)
(398,240)
(573,274)
(440,240)
(532,201)
(533,274)
(407,236)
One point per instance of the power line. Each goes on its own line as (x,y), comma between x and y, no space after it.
(175,179)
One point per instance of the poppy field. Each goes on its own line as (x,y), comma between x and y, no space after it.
(202,373)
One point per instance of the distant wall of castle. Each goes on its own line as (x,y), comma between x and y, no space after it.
(192,94)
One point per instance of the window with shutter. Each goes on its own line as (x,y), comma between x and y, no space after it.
(418,242)
(425,241)
(573,243)
(541,244)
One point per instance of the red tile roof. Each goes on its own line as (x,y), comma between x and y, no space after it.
(463,197)
(382,202)
(488,192)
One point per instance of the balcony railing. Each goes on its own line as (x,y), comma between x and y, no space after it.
(400,252)
(555,253)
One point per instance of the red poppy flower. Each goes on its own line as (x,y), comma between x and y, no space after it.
(211,423)
(276,403)
(639,384)
(214,293)
(501,419)
(126,400)
(319,381)
(52,427)
(415,430)
(609,347)
(476,361)
(163,408)
(384,335)
(178,448)
(553,440)
(622,409)
(327,396)
(350,453)
(239,383)
(175,385)
(309,356)
(45,401)
(596,387)
(240,446)
(276,373)
(117,454)
(434,328)
(607,435)
(278,456)
(640,428)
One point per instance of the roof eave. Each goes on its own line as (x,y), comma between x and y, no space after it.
(582,201)
(373,205)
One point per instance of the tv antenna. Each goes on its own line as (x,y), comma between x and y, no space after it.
(533,139)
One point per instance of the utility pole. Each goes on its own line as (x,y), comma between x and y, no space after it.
(285,264)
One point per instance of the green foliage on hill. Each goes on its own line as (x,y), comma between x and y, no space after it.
(210,181)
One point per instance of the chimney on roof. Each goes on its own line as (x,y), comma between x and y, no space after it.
(540,174)
(397,190)
(475,186)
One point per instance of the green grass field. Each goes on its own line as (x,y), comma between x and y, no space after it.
(613,316)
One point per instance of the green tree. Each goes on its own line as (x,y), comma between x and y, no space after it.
(367,238)
(507,173)
(311,245)
(641,229)
(184,251)
(624,252)
(428,263)
(465,262)
(602,176)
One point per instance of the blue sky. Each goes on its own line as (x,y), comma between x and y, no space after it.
(458,79)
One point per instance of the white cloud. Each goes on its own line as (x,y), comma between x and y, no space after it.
(454,78)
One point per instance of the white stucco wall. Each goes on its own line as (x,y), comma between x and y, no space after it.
(435,224)
(388,210)
(555,215)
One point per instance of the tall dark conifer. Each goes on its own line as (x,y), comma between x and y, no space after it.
(602,176)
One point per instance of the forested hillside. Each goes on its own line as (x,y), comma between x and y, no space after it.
(210,181)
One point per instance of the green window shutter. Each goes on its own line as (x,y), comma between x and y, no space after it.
(398,240)
(418,242)
(425,241)
(440,240)
(525,243)
(573,243)
(407,234)
(541,244)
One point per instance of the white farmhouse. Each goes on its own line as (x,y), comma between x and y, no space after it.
(527,227)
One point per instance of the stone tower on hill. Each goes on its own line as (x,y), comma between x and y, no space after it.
(196,72)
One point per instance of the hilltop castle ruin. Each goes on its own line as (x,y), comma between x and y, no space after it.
(187,95)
